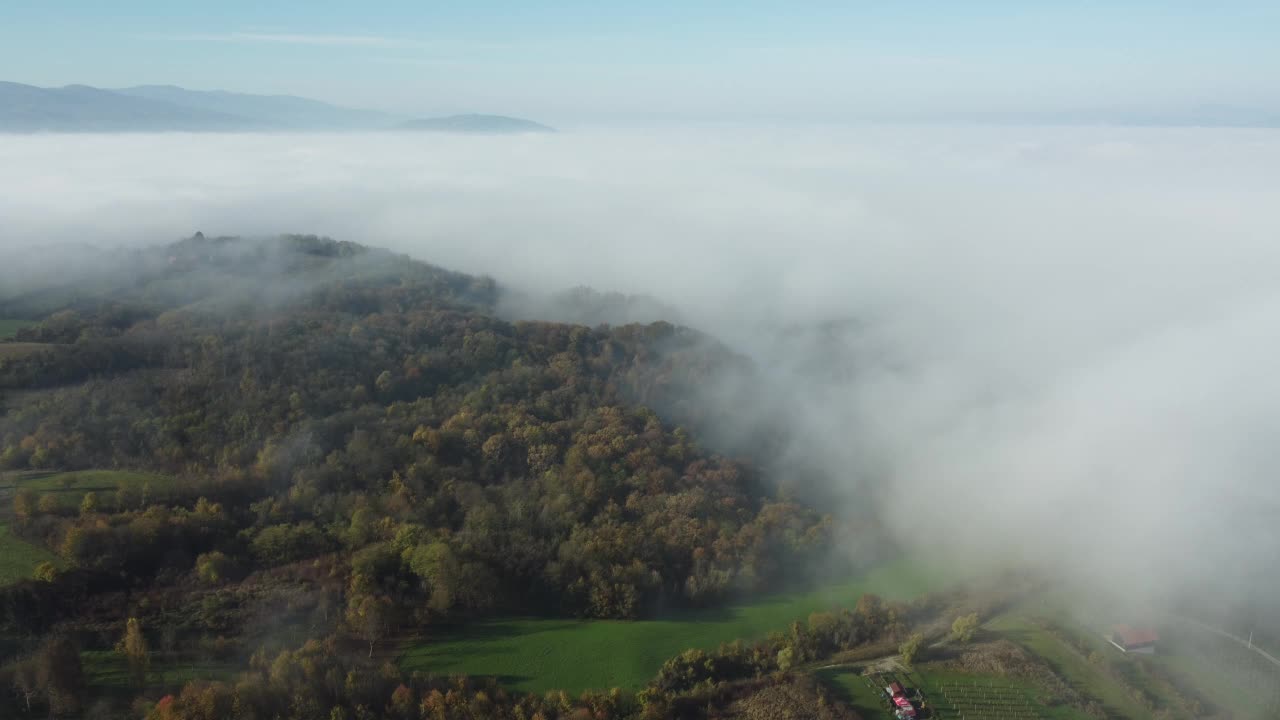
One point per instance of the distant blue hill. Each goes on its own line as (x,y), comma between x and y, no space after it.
(478,124)
(80,108)
(154,108)
(280,111)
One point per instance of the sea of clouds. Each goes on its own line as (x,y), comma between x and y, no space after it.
(1056,344)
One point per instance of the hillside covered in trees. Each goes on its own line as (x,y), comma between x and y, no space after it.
(356,447)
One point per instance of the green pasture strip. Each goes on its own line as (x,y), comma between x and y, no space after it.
(536,655)
(1229,676)
(83,481)
(10,327)
(848,684)
(19,558)
(70,487)
(108,670)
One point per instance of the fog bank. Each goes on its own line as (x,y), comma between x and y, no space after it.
(1051,344)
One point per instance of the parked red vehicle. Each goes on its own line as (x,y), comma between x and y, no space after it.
(904,709)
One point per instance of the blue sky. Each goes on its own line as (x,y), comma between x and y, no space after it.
(687,59)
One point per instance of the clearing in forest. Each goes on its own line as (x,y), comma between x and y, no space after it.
(536,655)
(70,487)
(10,327)
(19,558)
(18,349)
(106,670)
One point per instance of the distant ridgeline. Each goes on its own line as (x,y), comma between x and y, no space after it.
(164,108)
(478,124)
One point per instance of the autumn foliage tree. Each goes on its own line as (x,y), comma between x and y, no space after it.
(133,646)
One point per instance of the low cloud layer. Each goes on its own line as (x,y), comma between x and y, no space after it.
(1059,345)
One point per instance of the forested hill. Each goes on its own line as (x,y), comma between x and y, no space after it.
(321,401)
(228,274)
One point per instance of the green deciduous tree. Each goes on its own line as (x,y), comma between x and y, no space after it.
(89,504)
(214,567)
(964,628)
(911,648)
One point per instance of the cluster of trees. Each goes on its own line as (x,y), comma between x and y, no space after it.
(359,438)
(321,679)
(324,677)
(374,408)
(872,620)
(50,679)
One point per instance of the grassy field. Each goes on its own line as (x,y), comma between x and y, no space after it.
(1190,663)
(1229,676)
(19,349)
(83,481)
(19,558)
(536,655)
(849,685)
(867,699)
(9,328)
(70,487)
(107,670)
(938,684)
(1134,668)
(1068,664)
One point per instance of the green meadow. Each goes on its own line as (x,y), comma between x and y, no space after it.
(19,558)
(83,481)
(70,487)
(108,670)
(9,328)
(1229,676)
(849,685)
(536,655)
(1069,665)
(935,681)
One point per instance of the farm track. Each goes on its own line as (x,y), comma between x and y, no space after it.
(1235,638)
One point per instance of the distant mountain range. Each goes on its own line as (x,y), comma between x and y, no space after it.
(152,108)
(285,111)
(24,108)
(492,124)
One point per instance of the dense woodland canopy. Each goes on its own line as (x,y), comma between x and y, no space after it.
(361,449)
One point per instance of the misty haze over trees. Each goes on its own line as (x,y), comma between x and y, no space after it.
(234,455)
(851,361)
(311,387)
(243,455)
(363,416)
(351,444)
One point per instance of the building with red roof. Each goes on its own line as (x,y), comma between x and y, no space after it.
(1132,639)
